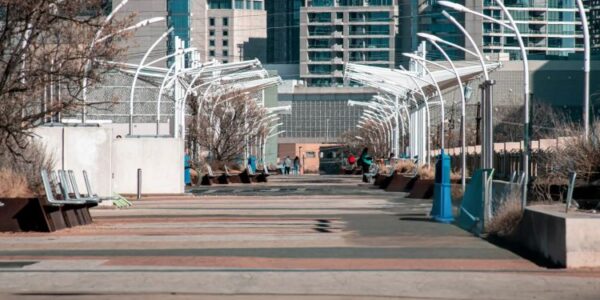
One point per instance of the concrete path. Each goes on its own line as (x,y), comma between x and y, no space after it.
(310,237)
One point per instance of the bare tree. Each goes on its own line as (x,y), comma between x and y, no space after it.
(370,136)
(44,48)
(225,123)
(546,122)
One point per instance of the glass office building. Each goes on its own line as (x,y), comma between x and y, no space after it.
(283,31)
(179,19)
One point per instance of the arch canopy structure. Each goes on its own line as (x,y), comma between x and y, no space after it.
(414,91)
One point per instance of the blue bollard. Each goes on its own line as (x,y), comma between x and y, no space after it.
(441,210)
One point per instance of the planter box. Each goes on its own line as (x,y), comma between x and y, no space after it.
(400,183)
(569,240)
(422,189)
(23,214)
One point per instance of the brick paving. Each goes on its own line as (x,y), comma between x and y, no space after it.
(295,237)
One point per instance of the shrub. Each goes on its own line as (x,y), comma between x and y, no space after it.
(405,166)
(24,165)
(507,217)
(426,172)
(13,185)
(573,154)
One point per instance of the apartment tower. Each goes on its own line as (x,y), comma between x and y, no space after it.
(335,32)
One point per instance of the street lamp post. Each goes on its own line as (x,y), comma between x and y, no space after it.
(86,68)
(526,88)
(135,77)
(463,103)
(586,69)
(487,149)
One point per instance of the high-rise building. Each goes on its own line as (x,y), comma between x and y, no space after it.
(179,18)
(594,18)
(334,32)
(229,30)
(144,37)
(551,29)
(283,31)
(426,16)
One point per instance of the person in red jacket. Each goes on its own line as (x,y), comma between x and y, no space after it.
(352,160)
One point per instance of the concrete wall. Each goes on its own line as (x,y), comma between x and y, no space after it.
(569,240)
(161,161)
(112,163)
(81,148)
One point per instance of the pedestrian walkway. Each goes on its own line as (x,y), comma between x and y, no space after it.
(302,237)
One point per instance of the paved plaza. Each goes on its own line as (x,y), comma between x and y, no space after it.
(310,237)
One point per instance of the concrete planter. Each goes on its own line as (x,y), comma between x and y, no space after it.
(569,240)
(400,183)
(422,189)
(23,214)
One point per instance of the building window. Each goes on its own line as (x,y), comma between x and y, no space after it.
(225,61)
(225,32)
(258,5)
(225,53)
(211,21)
(225,43)
(211,33)
(211,43)
(211,53)
(225,21)
(220,4)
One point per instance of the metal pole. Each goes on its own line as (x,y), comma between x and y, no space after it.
(586,69)
(139,184)
(463,131)
(526,141)
(137,73)
(490,122)
(397,128)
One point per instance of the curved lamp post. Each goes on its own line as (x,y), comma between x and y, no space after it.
(372,116)
(86,68)
(428,118)
(382,115)
(586,68)
(439,93)
(389,103)
(380,108)
(488,132)
(135,77)
(463,103)
(487,152)
(526,89)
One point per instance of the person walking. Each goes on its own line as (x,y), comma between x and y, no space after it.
(187,165)
(287,165)
(365,162)
(297,165)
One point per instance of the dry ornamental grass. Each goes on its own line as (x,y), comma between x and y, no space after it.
(13,185)
(507,218)
(405,166)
